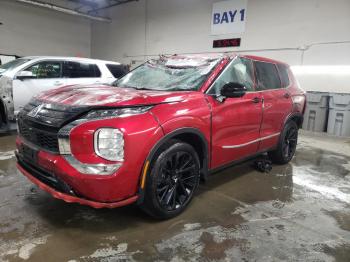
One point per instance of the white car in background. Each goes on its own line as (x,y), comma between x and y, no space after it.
(25,77)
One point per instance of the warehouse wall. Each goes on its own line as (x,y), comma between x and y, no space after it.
(298,32)
(36,31)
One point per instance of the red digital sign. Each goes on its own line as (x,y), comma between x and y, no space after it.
(233,42)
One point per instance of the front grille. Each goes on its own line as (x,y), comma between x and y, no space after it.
(43,139)
(40,122)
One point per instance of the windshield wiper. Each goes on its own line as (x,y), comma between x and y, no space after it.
(140,88)
(144,88)
(125,86)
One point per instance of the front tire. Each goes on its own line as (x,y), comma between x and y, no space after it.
(286,145)
(174,177)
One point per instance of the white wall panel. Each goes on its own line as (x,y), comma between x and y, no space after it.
(28,30)
(288,30)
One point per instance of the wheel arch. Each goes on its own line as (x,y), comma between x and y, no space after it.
(298,118)
(193,137)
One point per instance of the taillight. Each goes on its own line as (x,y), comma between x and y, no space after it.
(299,99)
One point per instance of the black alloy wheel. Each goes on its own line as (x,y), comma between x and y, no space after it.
(172,181)
(286,145)
(290,142)
(177,181)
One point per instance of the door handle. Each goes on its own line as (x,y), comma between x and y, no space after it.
(57,83)
(286,95)
(256,100)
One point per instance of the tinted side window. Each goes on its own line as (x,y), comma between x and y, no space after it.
(267,76)
(240,70)
(117,70)
(46,69)
(283,70)
(80,70)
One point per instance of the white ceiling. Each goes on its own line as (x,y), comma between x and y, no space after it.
(90,7)
(86,6)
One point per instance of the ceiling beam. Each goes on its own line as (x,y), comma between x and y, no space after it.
(65,10)
(88,3)
(119,2)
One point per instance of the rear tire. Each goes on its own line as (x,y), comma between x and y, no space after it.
(286,145)
(172,181)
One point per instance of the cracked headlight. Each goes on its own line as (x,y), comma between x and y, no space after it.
(109,144)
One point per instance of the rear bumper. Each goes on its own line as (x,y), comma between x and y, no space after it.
(70,198)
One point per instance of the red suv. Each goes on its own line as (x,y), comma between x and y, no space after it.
(159,130)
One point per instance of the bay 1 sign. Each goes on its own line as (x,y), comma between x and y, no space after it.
(228,17)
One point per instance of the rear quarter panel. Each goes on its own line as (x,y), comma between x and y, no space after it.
(297,93)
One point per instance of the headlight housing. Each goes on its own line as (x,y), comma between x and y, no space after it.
(119,112)
(109,144)
(108,141)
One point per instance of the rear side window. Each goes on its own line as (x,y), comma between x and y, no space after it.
(81,70)
(117,70)
(267,76)
(283,70)
(46,69)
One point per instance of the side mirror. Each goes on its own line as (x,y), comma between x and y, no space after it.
(25,75)
(233,90)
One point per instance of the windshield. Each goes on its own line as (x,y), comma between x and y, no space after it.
(170,74)
(12,64)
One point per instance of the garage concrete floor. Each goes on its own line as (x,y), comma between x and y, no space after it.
(297,212)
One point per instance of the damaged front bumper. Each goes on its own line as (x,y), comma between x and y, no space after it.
(35,165)
(71,198)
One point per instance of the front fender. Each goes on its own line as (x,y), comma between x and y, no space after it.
(187,121)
